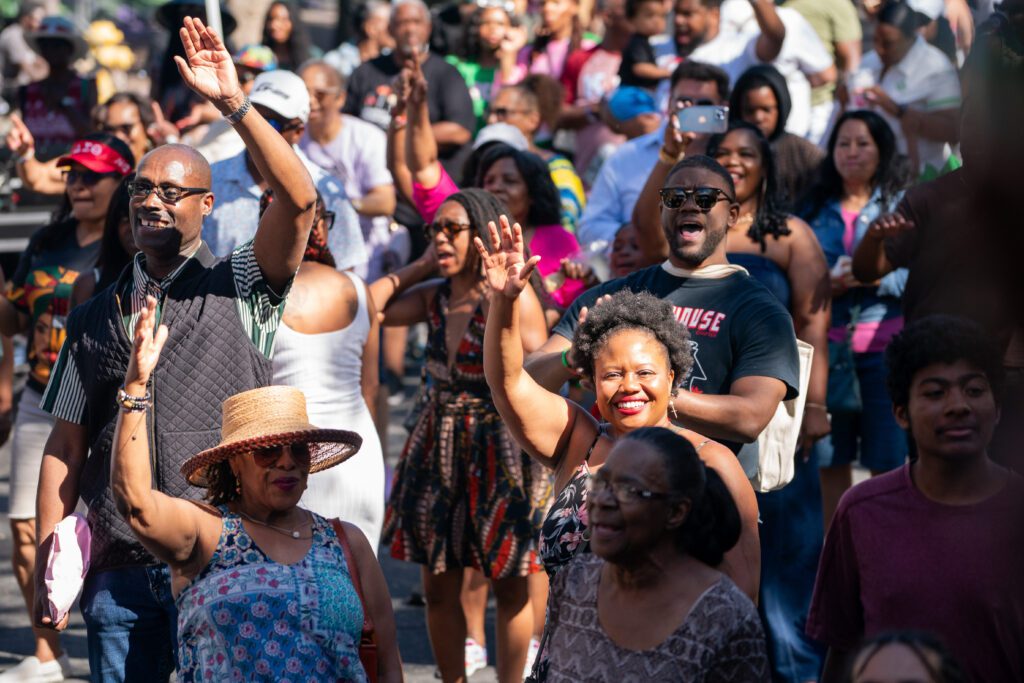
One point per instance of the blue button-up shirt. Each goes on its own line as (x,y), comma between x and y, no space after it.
(236,210)
(618,185)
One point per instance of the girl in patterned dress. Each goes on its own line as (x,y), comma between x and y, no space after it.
(464,495)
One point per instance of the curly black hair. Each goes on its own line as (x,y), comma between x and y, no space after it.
(940,339)
(771,216)
(470,47)
(627,310)
(925,646)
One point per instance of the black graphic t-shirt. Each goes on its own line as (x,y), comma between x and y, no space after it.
(737,328)
(372,94)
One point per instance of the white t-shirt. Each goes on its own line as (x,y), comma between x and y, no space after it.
(924,80)
(802,55)
(733,53)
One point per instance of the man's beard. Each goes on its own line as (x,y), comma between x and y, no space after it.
(692,259)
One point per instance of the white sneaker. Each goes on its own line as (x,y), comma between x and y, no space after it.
(31,670)
(531,656)
(476,657)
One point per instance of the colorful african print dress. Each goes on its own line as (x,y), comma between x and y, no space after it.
(248,618)
(464,494)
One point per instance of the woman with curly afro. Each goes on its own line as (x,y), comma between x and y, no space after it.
(635,354)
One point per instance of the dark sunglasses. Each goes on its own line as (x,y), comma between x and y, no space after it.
(282,126)
(168,194)
(268,457)
(328,218)
(246,76)
(704,197)
(86,177)
(449,228)
(687,102)
(505,112)
(124,129)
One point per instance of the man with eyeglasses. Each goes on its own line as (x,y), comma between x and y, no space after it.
(282,99)
(744,348)
(622,176)
(221,316)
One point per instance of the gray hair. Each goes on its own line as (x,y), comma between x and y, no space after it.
(416,3)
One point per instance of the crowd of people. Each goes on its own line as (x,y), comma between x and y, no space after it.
(680,265)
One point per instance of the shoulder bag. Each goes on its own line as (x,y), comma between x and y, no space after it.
(368,641)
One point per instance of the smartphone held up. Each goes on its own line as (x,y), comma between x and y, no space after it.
(702,119)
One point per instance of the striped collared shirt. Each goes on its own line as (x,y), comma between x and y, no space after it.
(258,306)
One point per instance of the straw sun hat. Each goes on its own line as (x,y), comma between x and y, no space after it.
(268,417)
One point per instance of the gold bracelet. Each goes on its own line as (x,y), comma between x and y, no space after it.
(666,158)
(816,406)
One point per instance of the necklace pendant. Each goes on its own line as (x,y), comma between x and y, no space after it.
(295,534)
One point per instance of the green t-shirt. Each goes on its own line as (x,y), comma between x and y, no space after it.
(480,81)
(835,21)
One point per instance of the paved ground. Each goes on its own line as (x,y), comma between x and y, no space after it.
(16,639)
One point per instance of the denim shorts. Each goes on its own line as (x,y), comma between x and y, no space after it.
(871,436)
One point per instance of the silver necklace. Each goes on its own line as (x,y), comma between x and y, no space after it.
(294,533)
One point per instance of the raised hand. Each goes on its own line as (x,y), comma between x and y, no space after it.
(146,346)
(207,68)
(506,271)
(889,225)
(161,130)
(19,137)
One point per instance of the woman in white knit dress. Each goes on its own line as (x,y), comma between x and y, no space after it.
(327,346)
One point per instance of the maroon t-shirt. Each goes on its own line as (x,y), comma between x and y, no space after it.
(893,560)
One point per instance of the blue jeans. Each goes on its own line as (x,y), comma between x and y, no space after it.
(131,620)
(872,436)
(791,540)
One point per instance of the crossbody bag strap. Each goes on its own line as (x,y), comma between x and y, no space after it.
(353,570)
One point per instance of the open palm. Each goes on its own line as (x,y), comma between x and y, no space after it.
(208,70)
(146,345)
(506,269)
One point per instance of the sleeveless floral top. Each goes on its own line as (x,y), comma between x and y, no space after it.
(248,618)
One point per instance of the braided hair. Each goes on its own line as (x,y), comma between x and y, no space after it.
(771,216)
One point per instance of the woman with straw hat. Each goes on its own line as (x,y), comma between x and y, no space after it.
(264,588)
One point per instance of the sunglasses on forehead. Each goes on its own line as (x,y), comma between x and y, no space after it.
(704,198)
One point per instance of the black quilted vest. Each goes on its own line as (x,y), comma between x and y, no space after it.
(207,358)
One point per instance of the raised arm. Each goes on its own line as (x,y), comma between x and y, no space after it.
(773,31)
(646,216)
(168,527)
(542,422)
(398,165)
(39,176)
(284,228)
(420,141)
(870,262)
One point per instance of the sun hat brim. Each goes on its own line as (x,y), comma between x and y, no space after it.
(328,447)
(79,48)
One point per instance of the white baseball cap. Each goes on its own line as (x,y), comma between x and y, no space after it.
(283,93)
(932,9)
(501,132)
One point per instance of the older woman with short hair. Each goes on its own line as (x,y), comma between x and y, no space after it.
(264,588)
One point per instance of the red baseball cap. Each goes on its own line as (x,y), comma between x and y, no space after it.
(96,156)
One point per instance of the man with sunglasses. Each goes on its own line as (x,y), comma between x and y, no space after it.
(744,348)
(222,315)
(622,176)
(282,99)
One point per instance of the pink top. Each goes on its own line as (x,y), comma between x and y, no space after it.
(850,233)
(551,242)
(550,62)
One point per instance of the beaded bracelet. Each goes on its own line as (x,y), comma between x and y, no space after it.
(133,404)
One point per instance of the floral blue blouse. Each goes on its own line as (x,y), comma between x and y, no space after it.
(248,618)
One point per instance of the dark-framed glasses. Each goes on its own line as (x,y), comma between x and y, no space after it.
(84,176)
(168,194)
(268,457)
(504,112)
(448,228)
(328,218)
(705,198)
(623,491)
(282,126)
